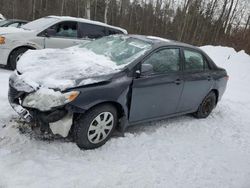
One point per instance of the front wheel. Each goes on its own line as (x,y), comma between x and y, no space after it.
(95,127)
(206,106)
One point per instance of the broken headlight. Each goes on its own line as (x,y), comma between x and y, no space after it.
(45,99)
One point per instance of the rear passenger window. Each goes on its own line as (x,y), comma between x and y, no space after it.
(194,61)
(65,29)
(91,31)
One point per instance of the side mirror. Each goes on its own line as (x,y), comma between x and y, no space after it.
(146,69)
(50,32)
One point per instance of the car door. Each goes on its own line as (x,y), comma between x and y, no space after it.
(62,35)
(157,93)
(197,80)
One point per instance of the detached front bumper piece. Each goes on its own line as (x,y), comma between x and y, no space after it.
(57,121)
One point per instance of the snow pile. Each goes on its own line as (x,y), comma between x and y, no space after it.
(238,69)
(225,55)
(62,68)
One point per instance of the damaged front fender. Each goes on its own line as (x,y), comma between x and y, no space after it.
(117,91)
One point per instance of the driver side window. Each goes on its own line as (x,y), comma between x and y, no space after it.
(165,61)
(65,30)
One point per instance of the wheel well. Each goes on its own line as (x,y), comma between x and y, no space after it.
(119,108)
(216,94)
(28,47)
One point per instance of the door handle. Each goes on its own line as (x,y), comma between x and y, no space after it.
(177,81)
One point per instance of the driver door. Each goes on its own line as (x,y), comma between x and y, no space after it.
(157,93)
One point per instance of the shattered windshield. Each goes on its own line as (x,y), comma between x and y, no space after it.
(119,48)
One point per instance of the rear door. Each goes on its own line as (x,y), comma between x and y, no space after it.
(197,80)
(157,94)
(65,35)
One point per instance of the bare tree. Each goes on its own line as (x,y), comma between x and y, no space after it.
(186,5)
(33,9)
(87,8)
(106,10)
(62,7)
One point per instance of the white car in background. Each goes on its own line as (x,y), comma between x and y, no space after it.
(50,32)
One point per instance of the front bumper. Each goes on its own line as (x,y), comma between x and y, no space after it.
(56,121)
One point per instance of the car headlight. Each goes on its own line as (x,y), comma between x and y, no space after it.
(44,100)
(2,40)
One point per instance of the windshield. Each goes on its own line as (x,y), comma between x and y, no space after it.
(119,48)
(2,23)
(40,23)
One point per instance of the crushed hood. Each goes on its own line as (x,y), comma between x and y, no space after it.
(61,69)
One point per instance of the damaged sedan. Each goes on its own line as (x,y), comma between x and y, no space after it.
(111,83)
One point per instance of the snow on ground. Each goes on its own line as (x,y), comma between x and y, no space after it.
(178,152)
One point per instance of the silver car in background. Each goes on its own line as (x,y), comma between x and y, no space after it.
(50,32)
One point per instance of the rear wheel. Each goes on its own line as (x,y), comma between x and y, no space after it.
(206,106)
(15,56)
(95,127)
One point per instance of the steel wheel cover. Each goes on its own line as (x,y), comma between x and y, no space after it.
(100,127)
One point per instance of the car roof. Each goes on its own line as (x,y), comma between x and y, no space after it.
(158,41)
(69,18)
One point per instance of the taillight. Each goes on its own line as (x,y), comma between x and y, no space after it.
(227,77)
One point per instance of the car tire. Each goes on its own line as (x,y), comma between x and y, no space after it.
(92,130)
(15,56)
(206,107)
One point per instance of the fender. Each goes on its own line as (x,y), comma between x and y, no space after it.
(17,44)
(20,44)
(118,93)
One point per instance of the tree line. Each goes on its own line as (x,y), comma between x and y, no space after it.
(198,22)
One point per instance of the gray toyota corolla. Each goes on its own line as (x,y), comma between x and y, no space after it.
(113,82)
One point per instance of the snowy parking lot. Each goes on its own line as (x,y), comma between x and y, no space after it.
(175,153)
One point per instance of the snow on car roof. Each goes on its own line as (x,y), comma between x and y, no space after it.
(158,38)
(89,21)
(162,41)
